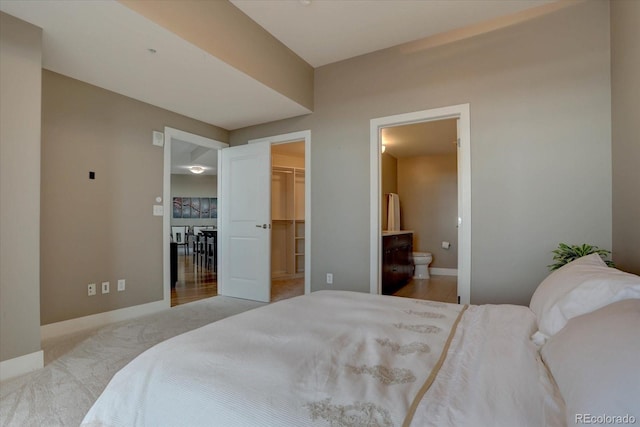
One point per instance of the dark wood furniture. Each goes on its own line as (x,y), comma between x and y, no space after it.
(174,263)
(211,248)
(397,261)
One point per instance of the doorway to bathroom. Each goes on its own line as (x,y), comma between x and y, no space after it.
(420,196)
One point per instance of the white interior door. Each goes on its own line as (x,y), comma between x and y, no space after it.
(244,222)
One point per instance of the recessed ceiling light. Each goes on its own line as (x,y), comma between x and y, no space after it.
(196,169)
(305,2)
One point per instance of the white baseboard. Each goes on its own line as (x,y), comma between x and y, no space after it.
(70,326)
(443,271)
(21,365)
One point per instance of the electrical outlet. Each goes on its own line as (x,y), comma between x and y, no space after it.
(105,287)
(91,289)
(121,285)
(329,278)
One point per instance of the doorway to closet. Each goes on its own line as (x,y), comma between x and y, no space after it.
(290,213)
(287,219)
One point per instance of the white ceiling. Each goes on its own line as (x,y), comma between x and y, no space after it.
(185,154)
(421,139)
(107,44)
(326,31)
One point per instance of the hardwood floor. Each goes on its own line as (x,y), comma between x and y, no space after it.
(195,283)
(286,288)
(436,288)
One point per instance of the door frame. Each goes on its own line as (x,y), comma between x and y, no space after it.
(284,139)
(169,135)
(460,112)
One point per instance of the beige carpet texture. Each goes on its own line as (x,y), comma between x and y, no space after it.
(78,367)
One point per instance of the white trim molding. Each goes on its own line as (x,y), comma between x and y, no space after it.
(460,112)
(21,365)
(435,271)
(53,330)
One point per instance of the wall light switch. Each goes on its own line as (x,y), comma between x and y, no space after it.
(158,210)
(121,285)
(158,139)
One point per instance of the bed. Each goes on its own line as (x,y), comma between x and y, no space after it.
(335,358)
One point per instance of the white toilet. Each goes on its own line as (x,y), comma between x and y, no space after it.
(421,260)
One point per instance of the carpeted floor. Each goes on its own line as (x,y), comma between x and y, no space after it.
(78,367)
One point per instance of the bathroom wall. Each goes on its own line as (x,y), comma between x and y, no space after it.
(389,184)
(428,190)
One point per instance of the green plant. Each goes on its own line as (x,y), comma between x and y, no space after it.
(567,253)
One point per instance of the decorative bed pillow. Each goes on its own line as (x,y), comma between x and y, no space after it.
(594,361)
(581,286)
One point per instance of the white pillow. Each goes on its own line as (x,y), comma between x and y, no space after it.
(594,361)
(579,287)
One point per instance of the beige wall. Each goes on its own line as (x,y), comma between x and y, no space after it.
(388,184)
(428,189)
(20,85)
(103,229)
(221,29)
(183,185)
(539,95)
(625,94)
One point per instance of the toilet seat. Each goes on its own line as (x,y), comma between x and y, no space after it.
(423,255)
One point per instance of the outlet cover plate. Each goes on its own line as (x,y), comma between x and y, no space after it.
(105,287)
(121,285)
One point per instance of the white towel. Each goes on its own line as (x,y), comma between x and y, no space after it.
(393,212)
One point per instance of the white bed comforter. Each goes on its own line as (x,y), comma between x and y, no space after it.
(340,359)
